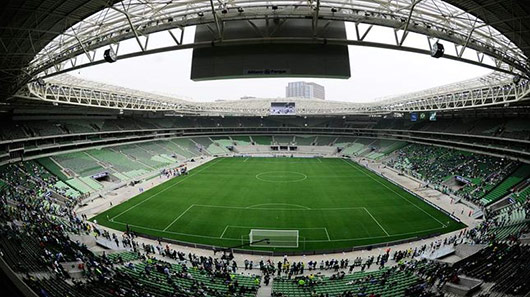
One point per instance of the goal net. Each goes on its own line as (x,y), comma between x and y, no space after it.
(273,238)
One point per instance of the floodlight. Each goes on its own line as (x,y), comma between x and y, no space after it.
(110,56)
(437,50)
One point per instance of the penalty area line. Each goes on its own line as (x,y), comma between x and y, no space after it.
(184,212)
(165,189)
(224,231)
(377,222)
(401,196)
(327,234)
(239,239)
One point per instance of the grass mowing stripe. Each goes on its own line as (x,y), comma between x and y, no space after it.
(163,190)
(394,192)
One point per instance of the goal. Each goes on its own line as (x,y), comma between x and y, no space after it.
(273,238)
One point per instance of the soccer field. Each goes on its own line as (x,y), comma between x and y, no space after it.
(333,203)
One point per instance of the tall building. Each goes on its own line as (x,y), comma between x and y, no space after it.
(304,89)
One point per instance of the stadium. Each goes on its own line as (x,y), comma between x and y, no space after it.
(111,185)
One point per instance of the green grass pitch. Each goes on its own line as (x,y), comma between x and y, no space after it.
(333,203)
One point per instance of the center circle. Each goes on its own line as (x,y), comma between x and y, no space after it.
(281,176)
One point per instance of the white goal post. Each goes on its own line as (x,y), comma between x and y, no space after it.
(273,238)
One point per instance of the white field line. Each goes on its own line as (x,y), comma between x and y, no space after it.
(156,194)
(171,232)
(286,204)
(275,228)
(395,193)
(184,212)
(238,239)
(252,207)
(279,229)
(222,234)
(376,221)
(327,234)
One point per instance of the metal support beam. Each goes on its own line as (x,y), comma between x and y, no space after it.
(315,19)
(133,29)
(216,20)
(405,30)
(461,52)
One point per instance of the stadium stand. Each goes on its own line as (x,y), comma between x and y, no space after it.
(503,188)
(283,140)
(325,140)
(439,166)
(506,265)
(262,140)
(241,140)
(385,282)
(178,150)
(80,163)
(119,162)
(188,146)
(304,140)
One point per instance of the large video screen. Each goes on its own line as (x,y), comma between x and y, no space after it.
(283,108)
(260,60)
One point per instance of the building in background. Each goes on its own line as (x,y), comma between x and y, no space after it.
(304,89)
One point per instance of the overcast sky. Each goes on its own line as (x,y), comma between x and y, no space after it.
(375,73)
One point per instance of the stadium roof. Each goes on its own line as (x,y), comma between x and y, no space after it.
(510,17)
(27,26)
(488,90)
(47,37)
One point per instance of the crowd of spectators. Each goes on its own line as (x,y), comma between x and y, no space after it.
(438,167)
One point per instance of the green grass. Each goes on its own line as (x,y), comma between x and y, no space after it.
(334,203)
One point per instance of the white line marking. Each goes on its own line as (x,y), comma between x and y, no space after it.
(252,207)
(319,160)
(327,234)
(376,221)
(394,192)
(155,194)
(222,234)
(171,232)
(184,212)
(245,160)
(304,177)
(374,237)
(297,205)
(239,239)
(275,228)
